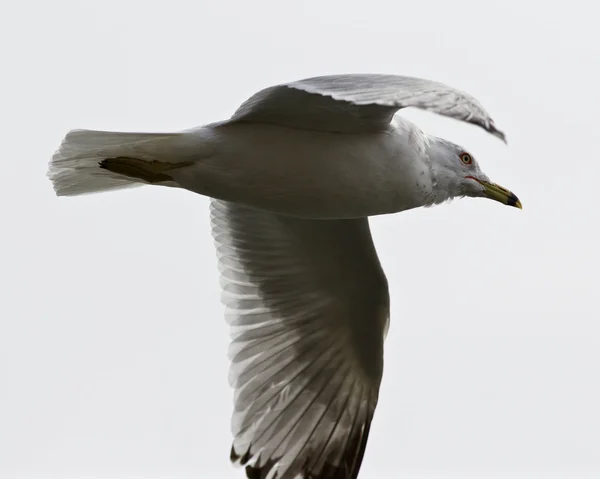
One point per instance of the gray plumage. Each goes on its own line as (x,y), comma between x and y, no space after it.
(359,103)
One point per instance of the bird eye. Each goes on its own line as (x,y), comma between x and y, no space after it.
(466,158)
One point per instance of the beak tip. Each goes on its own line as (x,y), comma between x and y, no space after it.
(514,201)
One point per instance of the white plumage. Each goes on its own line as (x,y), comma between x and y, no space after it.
(293,177)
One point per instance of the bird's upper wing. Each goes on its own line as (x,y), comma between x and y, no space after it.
(308,306)
(358,102)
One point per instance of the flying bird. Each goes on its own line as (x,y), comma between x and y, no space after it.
(293,177)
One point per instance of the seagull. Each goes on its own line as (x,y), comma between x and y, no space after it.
(293,177)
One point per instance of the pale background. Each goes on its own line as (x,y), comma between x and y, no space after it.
(112,343)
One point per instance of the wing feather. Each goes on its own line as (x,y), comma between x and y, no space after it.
(308,307)
(359,103)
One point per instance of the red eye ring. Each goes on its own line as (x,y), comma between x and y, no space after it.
(466,158)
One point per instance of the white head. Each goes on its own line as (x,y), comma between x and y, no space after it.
(456,174)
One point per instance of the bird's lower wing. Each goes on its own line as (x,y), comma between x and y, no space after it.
(308,306)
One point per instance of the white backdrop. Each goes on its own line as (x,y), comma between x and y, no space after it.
(112,344)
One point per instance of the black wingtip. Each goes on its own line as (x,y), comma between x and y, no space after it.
(345,466)
(235,458)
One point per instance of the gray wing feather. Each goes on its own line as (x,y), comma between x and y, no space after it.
(308,306)
(358,102)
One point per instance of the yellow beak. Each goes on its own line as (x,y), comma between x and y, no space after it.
(498,193)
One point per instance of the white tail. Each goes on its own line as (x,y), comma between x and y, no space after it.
(75,167)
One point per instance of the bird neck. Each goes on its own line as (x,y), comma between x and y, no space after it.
(443,180)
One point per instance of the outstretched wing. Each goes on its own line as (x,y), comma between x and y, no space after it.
(358,102)
(308,306)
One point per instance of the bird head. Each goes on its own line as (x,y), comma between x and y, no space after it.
(456,174)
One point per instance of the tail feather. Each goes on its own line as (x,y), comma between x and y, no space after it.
(75,168)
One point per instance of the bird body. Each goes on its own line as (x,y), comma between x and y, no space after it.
(294,175)
(310,174)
